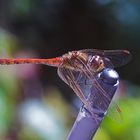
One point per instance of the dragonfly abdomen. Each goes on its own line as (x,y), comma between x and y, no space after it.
(51,62)
(9,61)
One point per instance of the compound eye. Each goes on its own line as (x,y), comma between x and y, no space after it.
(96,63)
(95,59)
(101,62)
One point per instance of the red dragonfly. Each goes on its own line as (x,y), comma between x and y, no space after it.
(88,62)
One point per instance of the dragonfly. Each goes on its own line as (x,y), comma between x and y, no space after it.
(87,62)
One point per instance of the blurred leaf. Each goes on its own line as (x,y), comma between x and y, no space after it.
(6,113)
(8,43)
(130,124)
(101,135)
(28,134)
(22,7)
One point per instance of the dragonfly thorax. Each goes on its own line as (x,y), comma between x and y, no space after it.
(96,63)
(82,62)
(75,60)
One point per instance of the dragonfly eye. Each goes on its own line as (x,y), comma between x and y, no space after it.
(96,63)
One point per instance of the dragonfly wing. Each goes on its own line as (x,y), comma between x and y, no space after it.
(68,76)
(102,100)
(117,57)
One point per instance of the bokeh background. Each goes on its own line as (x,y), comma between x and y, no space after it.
(35,104)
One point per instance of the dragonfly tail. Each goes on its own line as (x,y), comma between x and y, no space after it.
(51,62)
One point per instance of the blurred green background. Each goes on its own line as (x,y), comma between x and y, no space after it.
(34,103)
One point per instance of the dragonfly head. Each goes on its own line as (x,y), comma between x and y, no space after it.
(96,63)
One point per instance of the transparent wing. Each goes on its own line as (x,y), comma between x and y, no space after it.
(117,57)
(77,81)
(101,101)
(70,78)
(84,82)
